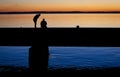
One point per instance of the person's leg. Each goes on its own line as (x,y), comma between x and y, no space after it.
(35,24)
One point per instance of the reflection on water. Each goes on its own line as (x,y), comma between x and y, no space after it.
(62,20)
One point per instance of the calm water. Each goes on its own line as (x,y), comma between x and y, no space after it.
(62,20)
(88,57)
(61,57)
(14,56)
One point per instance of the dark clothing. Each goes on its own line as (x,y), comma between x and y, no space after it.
(43,24)
(35,19)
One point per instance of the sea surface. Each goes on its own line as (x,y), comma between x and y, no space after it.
(65,57)
(61,20)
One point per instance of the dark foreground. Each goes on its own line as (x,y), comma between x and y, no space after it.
(40,39)
(6,71)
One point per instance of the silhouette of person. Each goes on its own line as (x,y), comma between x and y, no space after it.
(43,23)
(35,19)
(77,26)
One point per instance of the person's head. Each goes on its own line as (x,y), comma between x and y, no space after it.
(38,14)
(43,19)
(77,26)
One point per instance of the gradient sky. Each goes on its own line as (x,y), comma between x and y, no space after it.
(59,5)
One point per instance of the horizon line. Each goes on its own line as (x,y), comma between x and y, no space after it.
(55,12)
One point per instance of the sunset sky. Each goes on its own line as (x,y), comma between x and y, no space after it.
(59,5)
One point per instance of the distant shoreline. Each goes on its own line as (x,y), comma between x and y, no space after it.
(62,12)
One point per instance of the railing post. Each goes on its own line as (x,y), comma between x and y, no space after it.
(38,58)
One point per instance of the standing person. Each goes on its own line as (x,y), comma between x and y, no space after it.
(35,19)
(43,23)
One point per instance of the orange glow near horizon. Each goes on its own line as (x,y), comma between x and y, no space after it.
(64,20)
(83,8)
(53,5)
